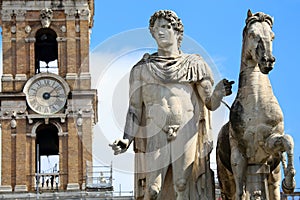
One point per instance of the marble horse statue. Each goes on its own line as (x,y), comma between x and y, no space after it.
(252,144)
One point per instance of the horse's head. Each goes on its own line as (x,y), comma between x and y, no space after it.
(258,37)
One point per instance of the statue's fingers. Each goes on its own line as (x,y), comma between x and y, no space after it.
(228,85)
(228,91)
(227,82)
(111,145)
(117,150)
(114,146)
(228,88)
(231,82)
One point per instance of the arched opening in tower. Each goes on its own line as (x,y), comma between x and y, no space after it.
(46,51)
(47,148)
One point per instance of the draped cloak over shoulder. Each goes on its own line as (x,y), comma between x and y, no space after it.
(185,68)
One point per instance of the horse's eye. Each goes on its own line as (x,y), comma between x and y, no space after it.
(252,35)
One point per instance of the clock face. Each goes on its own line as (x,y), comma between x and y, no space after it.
(46,95)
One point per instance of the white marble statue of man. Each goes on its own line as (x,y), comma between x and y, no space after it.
(171,95)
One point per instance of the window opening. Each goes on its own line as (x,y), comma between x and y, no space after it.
(46,51)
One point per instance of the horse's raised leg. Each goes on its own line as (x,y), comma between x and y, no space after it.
(239,167)
(284,143)
(288,183)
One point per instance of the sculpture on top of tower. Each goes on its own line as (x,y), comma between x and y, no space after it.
(46,16)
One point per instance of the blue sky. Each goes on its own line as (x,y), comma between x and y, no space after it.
(215,25)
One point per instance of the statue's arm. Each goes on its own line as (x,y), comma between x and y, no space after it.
(133,118)
(212,98)
(134,114)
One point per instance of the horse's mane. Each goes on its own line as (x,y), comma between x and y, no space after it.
(257,17)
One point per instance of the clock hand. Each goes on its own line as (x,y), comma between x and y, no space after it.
(52,90)
(61,95)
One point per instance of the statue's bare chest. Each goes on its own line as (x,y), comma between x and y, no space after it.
(167,98)
(155,90)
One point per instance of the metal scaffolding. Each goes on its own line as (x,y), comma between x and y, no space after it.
(99,178)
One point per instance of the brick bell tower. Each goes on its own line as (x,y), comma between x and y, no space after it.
(47,104)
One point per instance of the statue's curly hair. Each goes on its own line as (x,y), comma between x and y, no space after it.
(172,18)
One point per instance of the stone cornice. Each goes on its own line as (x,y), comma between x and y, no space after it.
(83,9)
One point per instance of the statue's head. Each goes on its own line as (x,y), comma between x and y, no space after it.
(46,17)
(170,16)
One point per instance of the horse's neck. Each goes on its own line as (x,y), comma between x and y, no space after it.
(253,82)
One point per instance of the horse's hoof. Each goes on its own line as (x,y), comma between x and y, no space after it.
(286,189)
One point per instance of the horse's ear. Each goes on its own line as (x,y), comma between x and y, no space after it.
(249,14)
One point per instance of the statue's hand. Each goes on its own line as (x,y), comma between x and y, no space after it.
(224,88)
(119,146)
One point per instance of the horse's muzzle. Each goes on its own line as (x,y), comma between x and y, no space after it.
(271,59)
(266,64)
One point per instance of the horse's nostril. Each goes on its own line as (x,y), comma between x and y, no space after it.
(264,59)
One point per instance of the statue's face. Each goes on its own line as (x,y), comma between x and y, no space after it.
(46,21)
(164,34)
